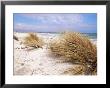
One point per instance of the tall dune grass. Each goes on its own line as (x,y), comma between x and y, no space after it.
(32,40)
(77,48)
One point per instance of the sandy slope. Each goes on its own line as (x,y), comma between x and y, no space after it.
(28,61)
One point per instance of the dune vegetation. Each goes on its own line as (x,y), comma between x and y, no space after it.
(77,49)
(15,38)
(32,40)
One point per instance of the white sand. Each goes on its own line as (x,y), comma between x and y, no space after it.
(38,61)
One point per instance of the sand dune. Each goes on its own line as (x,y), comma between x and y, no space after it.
(30,61)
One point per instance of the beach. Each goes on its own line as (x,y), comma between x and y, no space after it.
(29,61)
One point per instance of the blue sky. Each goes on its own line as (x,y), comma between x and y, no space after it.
(58,22)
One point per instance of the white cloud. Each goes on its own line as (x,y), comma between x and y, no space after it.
(23,26)
(37,28)
(56,18)
(54,22)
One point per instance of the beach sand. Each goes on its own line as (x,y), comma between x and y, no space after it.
(29,61)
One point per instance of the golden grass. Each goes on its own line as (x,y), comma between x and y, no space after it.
(77,70)
(77,48)
(32,40)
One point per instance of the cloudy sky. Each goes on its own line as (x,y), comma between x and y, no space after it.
(37,22)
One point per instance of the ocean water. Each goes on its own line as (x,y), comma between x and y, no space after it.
(92,36)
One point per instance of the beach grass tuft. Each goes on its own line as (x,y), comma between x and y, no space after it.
(32,40)
(77,48)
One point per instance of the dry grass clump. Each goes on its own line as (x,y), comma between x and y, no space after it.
(32,40)
(77,70)
(15,38)
(77,48)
